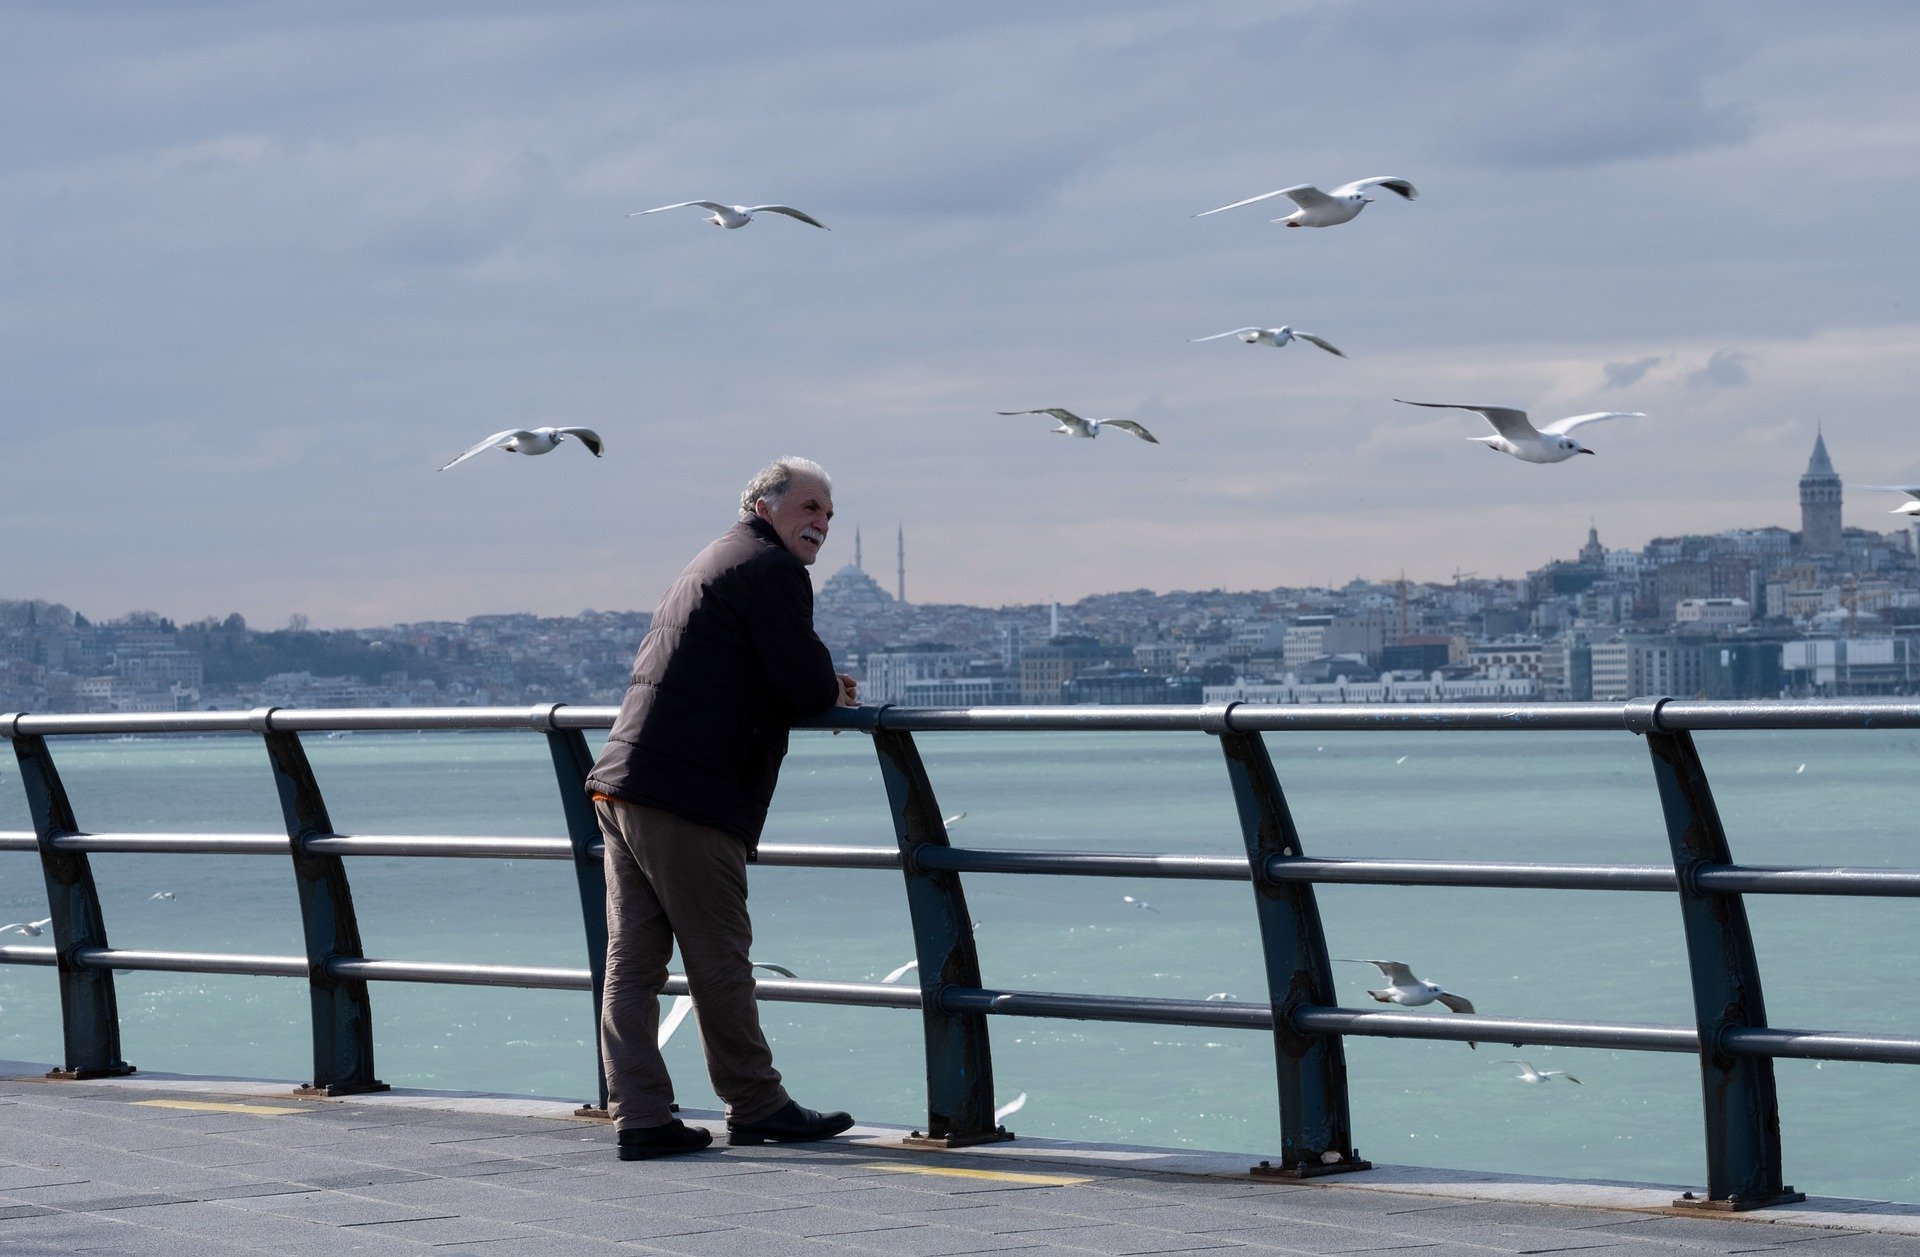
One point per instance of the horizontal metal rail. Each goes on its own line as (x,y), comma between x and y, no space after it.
(1637,715)
(1729,878)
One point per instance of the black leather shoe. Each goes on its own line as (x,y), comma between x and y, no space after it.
(643,1143)
(788,1125)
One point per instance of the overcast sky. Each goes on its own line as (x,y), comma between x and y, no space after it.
(264,267)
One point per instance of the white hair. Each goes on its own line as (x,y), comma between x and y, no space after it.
(771,482)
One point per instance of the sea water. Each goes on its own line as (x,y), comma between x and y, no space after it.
(1840,798)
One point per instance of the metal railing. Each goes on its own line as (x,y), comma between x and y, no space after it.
(1731,1036)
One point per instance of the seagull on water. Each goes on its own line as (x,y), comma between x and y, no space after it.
(1275,336)
(1326,209)
(735,216)
(1518,437)
(1529,1074)
(533,441)
(32,929)
(1073,425)
(1905,508)
(1408,991)
(1131,902)
(682,1006)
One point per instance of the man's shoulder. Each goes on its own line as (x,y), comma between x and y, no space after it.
(754,553)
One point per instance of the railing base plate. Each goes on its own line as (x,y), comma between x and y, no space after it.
(999,1134)
(1309,1169)
(341,1089)
(1740,1204)
(81,1075)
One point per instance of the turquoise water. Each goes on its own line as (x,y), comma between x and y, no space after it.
(1506,796)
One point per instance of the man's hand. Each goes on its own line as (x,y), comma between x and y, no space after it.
(849,691)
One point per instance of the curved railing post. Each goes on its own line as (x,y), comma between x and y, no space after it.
(1741,1106)
(89,1013)
(959,1060)
(342,1011)
(572,761)
(1316,1128)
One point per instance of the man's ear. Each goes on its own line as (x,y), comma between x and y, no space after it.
(761,509)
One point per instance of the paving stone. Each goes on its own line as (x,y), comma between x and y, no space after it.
(623,1225)
(453,1230)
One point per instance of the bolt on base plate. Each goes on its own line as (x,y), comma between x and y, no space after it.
(1740,1204)
(81,1075)
(998,1134)
(1309,1169)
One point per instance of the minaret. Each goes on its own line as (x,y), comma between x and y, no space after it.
(856,547)
(1820,502)
(902,586)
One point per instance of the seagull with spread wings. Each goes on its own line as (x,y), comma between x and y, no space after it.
(1905,508)
(1548,443)
(682,1006)
(1326,209)
(1073,425)
(734,216)
(1275,336)
(1408,991)
(534,441)
(1529,1074)
(32,929)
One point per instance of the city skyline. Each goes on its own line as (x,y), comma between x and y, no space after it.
(266,269)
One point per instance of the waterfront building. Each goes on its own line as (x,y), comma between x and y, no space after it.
(1514,657)
(1045,669)
(891,671)
(1388,689)
(1638,666)
(959,691)
(1129,686)
(1842,666)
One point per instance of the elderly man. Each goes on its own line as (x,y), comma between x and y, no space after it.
(681,791)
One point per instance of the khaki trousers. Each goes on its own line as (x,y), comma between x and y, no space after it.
(668,879)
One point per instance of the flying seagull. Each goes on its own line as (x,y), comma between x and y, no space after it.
(1326,209)
(32,929)
(901,972)
(1010,1107)
(534,441)
(1518,437)
(734,216)
(1131,902)
(163,894)
(682,1006)
(1275,336)
(1073,425)
(1408,991)
(1905,508)
(1529,1074)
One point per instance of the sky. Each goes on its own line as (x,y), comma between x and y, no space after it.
(265,267)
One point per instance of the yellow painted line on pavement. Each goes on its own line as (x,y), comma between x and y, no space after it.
(993,1176)
(211,1106)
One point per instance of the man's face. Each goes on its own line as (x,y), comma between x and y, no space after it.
(800,517)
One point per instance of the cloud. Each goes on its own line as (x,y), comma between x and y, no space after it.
(1627,374)
(1726,368)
